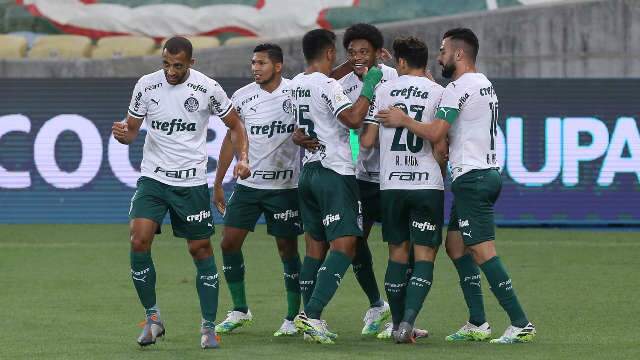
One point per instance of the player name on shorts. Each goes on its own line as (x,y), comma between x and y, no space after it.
(276,127)
(175,125)
(411,91)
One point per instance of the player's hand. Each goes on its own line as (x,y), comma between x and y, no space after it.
(218,199)
(385,55)
(119,130)
(301,139)
(442,150)
(392,117)
(241,170)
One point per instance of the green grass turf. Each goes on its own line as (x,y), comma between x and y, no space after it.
(66,294)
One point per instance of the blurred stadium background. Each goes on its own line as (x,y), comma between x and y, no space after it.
(567,74)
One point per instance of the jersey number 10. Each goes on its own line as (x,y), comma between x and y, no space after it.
(413,142)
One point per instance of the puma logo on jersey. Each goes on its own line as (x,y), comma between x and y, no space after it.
(157,102)
(330,219)
(276,127)
(411,91)
(176,125)
(445,111)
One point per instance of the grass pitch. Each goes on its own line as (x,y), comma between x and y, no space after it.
(66,294)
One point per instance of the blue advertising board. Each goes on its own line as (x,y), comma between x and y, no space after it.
(569,151)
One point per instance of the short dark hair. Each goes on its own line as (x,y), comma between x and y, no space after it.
(315,42)
(468,37)
(177,44)
(363,31)
(273,51)
(413,50)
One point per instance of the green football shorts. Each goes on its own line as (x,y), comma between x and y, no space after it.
(370,198)
(413,215)
(189,207)
(329,203)
(280,208)
(474,195)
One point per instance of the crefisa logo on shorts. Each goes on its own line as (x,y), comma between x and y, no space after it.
(422,226)
(199,217)
(289,214)
(191,104)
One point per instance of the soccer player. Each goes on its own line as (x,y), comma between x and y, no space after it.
(176,103)
(328,192)
(363,43)
(411,184)
(265,109)
(468,112)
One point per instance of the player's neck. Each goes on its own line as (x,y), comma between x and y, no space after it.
(468,68)
(272,85)
(415,72)
(321,67)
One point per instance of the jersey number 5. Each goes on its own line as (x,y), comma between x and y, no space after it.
(304,122)
(414,143)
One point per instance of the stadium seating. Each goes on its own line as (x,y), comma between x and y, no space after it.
(60,47)
(241,40)
(12,46)
(123,46)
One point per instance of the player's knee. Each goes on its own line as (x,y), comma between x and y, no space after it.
(454,252)
(229,246)
(287,248)
(140,242)
(200,249)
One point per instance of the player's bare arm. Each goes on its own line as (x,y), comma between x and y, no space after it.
(301,139)
(433,132)
(238,136)
(126,132)
(369,135)
(224,160)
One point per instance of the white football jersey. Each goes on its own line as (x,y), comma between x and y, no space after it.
(273,157)
(177,116)
(472,143)
(317,100)
(406,160)
(368,164)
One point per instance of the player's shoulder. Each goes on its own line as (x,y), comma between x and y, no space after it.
(388,73)
(248,90)
(206,83)
(156,77)
(348,79)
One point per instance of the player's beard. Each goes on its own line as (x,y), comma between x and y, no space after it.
(264,81)
(448,70)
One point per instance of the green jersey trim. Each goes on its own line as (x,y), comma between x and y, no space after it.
(447,114)
(335,113)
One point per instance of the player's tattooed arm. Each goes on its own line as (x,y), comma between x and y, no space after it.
(224,160)
(126,132)
(238,136)
(369,135)
(433,132)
